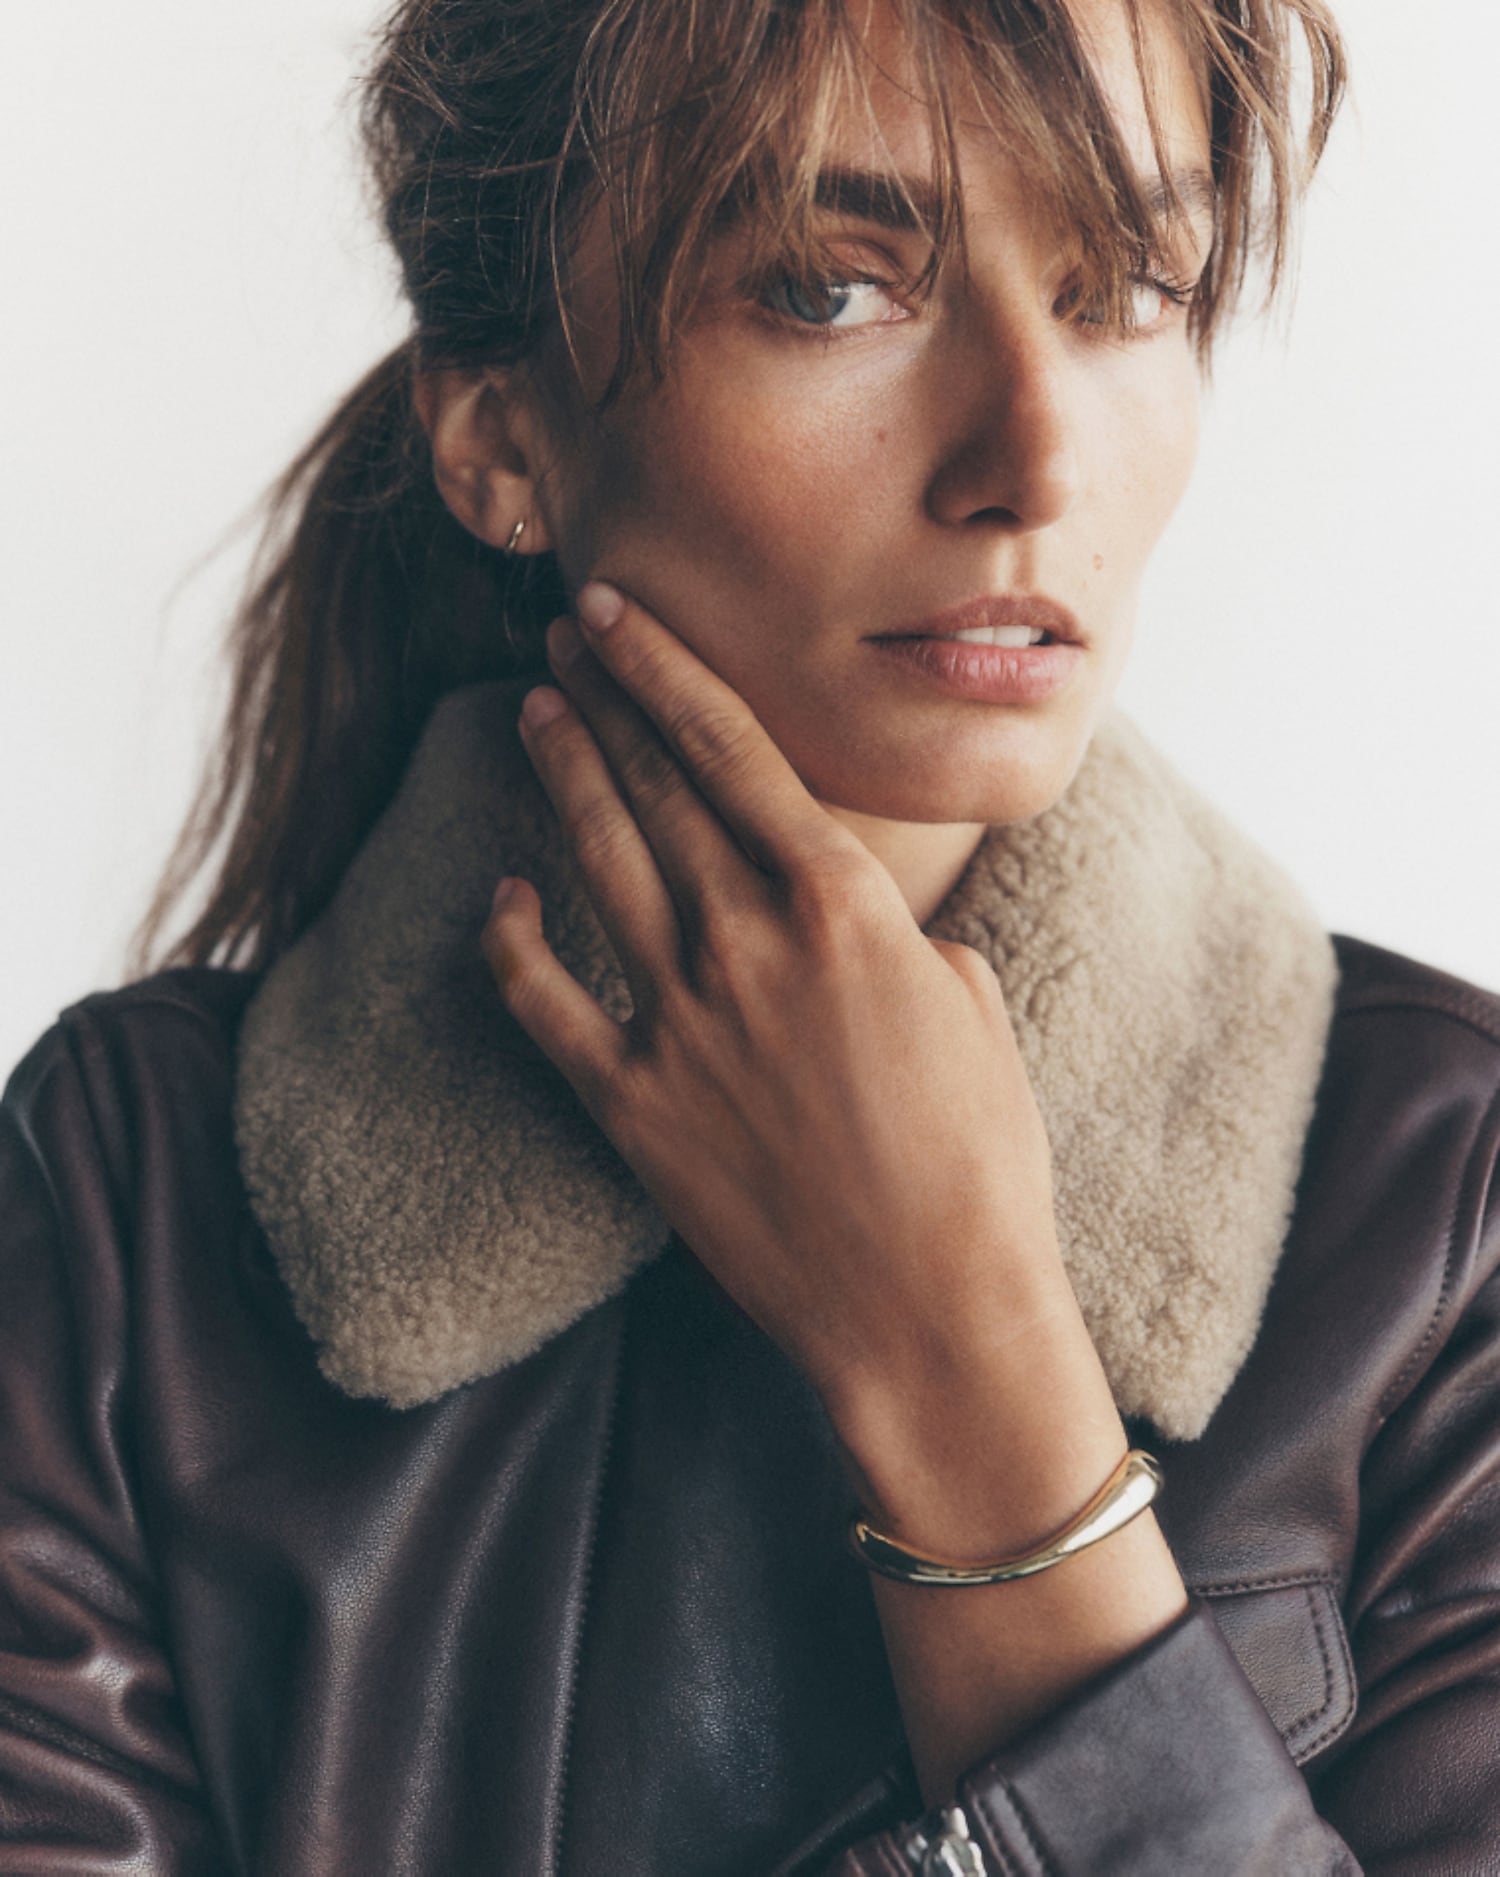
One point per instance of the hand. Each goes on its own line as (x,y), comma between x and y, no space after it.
(830,1109)
(828,1106)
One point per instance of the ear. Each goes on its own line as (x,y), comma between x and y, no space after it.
(491,454)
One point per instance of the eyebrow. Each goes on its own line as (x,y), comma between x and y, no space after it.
(1195,189)
(905,204)
(908,204)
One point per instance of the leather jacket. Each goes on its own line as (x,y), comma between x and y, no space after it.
(596,1614)
(378,1495)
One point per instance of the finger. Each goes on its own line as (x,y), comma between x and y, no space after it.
(550,1005)
(619,869)
(709,726)
(699,857)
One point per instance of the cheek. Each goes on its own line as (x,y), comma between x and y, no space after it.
(766,494)
(1153,427)
(726,502)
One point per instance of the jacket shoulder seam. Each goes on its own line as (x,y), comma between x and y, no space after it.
(166,990)
(1441,1308)
(1473,1012)
(83,1030)
(78,1044)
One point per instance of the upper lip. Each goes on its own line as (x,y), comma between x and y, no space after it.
(1005,609)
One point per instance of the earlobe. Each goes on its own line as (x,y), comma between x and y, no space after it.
(484,455)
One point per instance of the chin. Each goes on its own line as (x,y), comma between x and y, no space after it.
(1013,775)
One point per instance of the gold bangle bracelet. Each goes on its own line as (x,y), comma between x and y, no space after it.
(1132,1486)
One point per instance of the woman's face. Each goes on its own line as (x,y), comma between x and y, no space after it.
(822,478)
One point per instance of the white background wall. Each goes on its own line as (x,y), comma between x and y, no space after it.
(191,278)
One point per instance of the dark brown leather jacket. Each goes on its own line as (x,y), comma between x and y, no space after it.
(596,1613)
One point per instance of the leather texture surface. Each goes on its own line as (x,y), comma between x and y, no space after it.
(596,1614)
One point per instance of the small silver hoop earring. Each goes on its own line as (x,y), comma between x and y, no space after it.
(515,535)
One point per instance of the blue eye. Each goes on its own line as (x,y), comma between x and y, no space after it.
(830,303)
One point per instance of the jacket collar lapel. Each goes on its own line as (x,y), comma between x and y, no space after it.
(440,1205)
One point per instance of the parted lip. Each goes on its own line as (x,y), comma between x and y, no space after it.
(1007,609)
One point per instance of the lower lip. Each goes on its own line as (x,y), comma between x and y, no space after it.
(995,674)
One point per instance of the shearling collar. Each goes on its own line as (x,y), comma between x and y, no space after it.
(440,1204)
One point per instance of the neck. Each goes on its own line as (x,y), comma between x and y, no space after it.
(925,859)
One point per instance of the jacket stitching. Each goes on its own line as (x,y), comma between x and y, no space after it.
(985,1805)
(893,1860)
(1450,1272)
(989,1815)
(1317,1713)
(1340,1721)
(596,1520)
(998,1855)
(1309,1581)
(1295,1580)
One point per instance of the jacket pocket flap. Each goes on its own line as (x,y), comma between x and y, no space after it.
(1290,1641)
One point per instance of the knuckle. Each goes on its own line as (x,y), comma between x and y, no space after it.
(620,1100)
(598,832)
(971,965)
(730,960)
(834,901)
(649,773)
(727,926)
(634,661)
(713,740)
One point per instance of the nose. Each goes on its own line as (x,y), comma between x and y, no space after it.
(1009,459)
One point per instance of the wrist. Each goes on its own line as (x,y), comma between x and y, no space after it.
(987,1451)
(1130,1489)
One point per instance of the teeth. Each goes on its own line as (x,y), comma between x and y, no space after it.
(1012,636)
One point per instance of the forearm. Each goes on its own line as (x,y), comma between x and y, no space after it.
(981,1455)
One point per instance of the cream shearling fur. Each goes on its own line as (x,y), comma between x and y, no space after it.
(440,1204)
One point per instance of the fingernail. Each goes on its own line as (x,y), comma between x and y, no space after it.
(542,706)
(564,641)
(503,894)
(600,605)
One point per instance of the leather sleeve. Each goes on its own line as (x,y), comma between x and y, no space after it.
(1168,1766)
(96,1774)
(1415,1783)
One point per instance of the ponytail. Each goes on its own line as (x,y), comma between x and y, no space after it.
(367,603)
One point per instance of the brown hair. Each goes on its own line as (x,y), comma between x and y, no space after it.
(491,126)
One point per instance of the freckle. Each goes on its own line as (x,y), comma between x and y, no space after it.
(1098,563)
(881,435)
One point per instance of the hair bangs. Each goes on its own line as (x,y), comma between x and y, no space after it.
(704,115)
(494,129)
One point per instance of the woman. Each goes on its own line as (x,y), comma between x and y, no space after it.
(444,1353)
